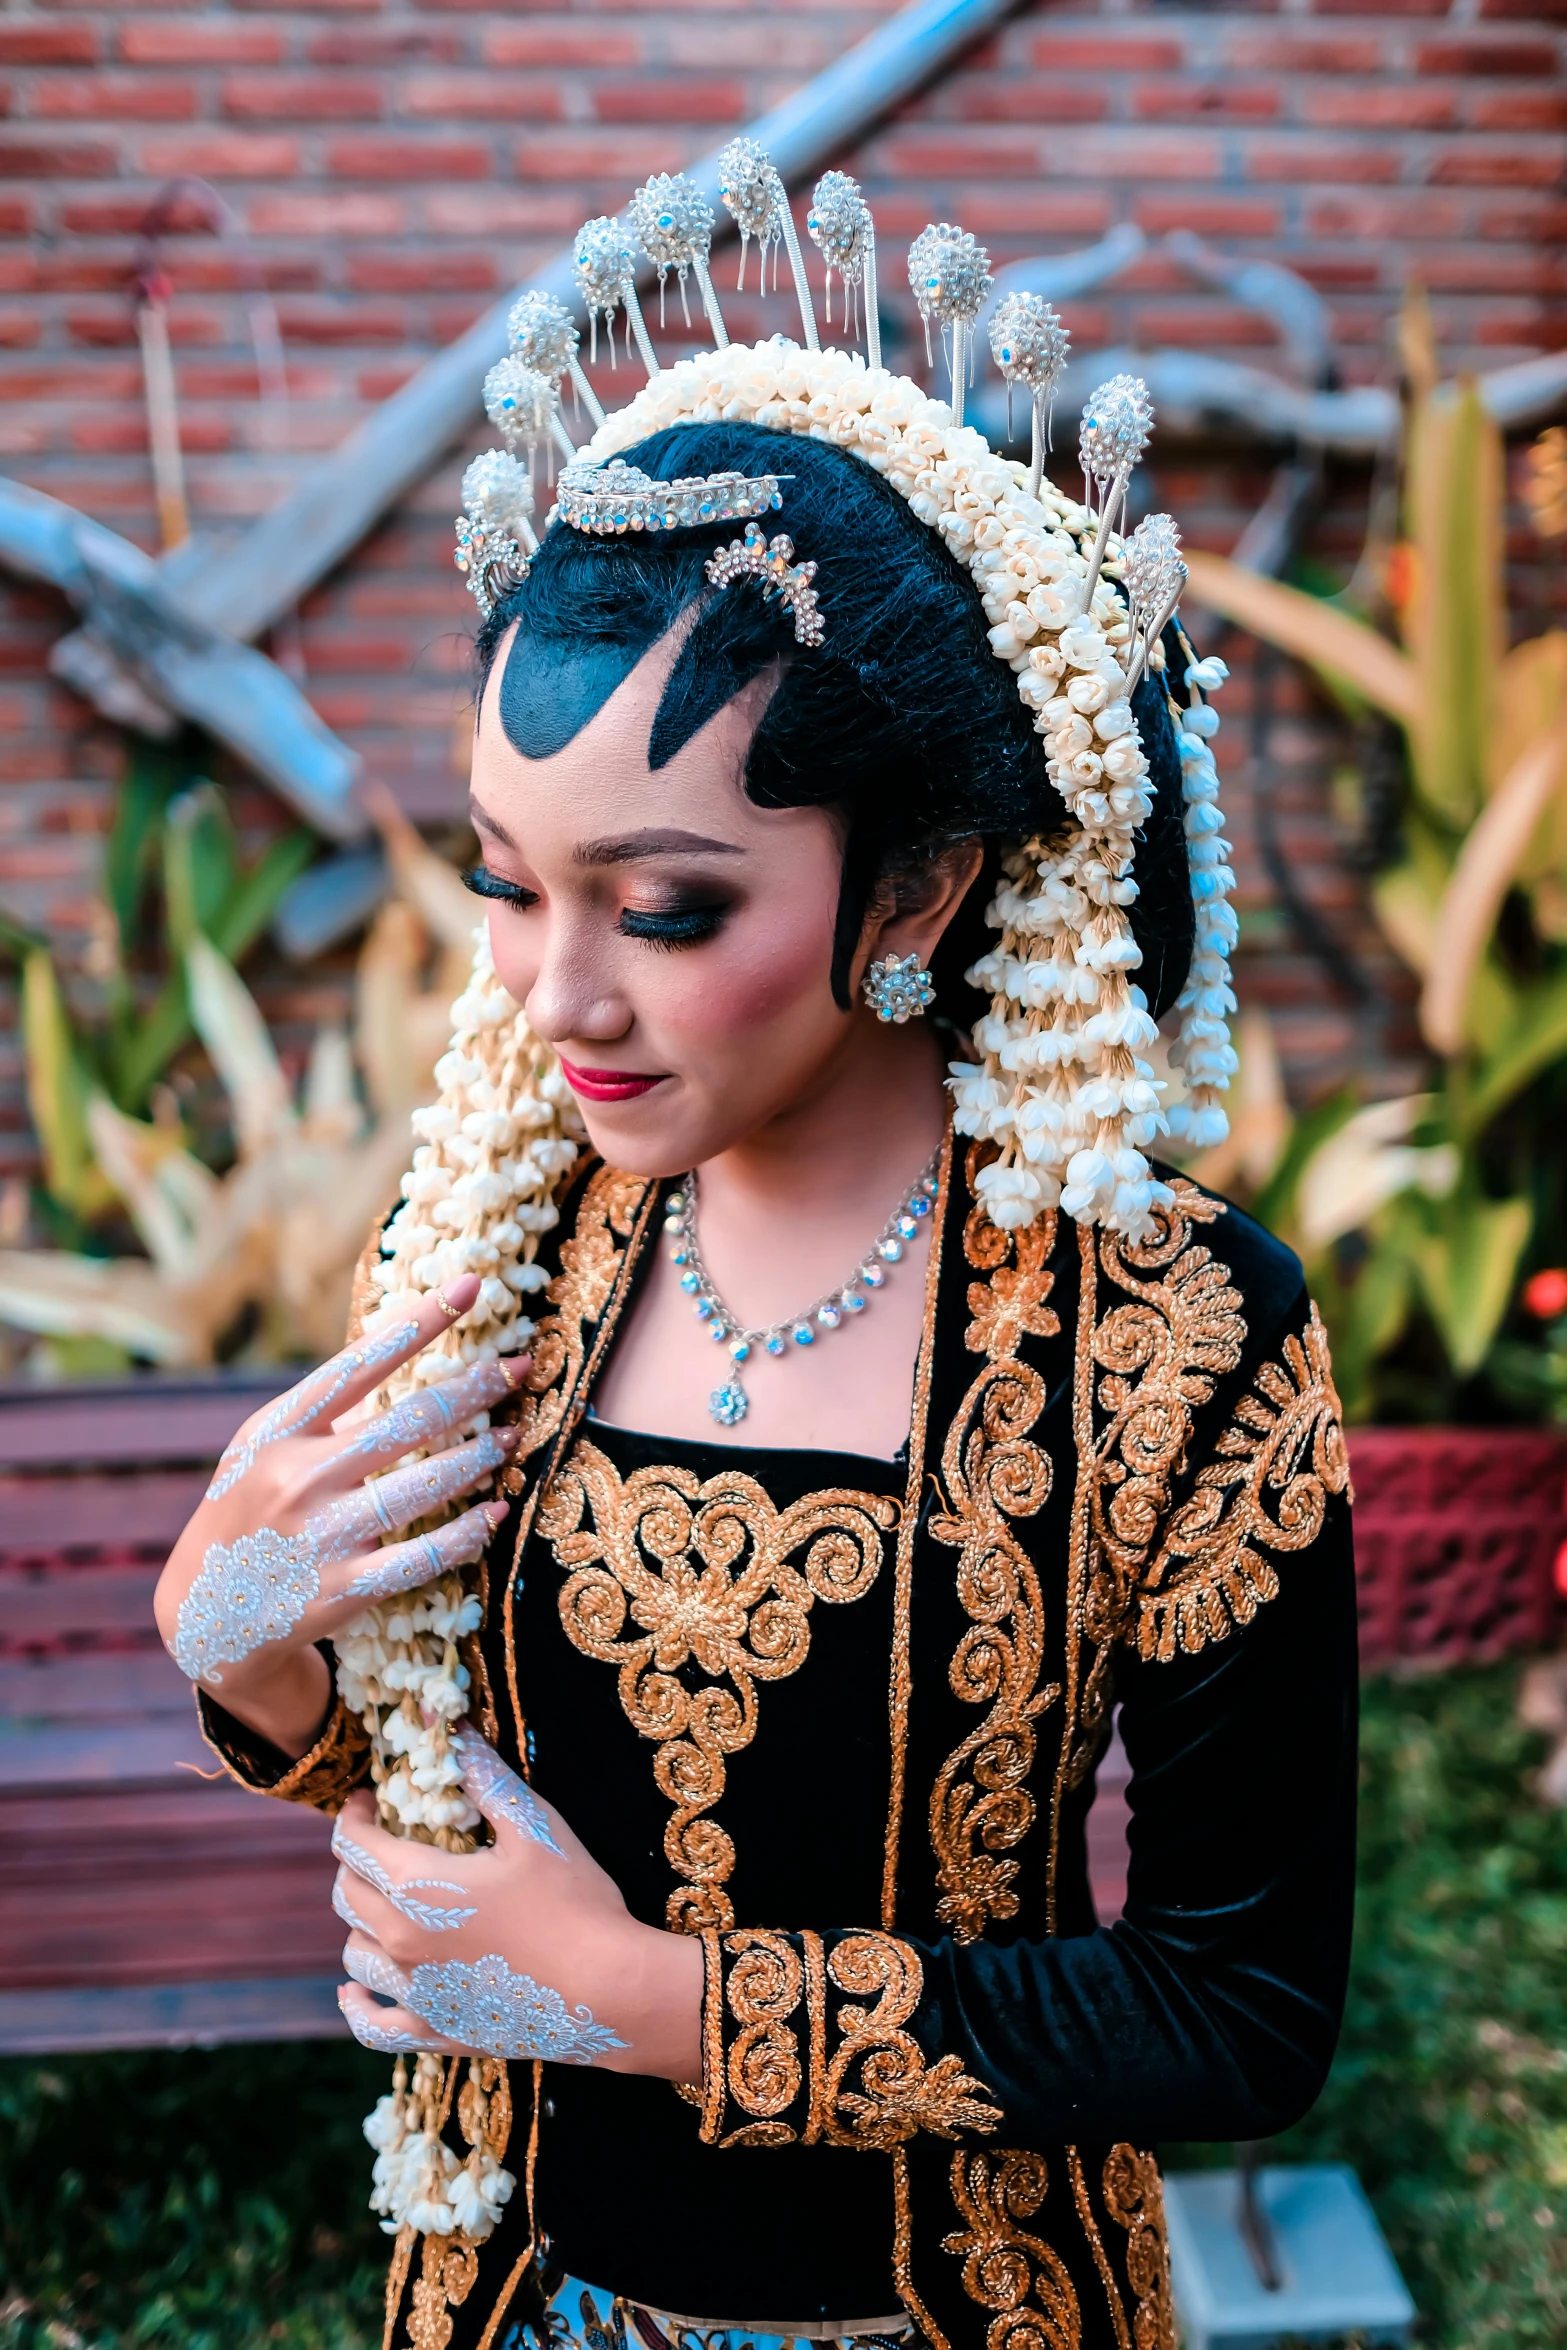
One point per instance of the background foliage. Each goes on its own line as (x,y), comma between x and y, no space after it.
(216,2201)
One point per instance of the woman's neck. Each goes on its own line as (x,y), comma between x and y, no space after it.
(859,1134)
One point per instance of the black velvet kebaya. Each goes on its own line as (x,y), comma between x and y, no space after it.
(842,1716)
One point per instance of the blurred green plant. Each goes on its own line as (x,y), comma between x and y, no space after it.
(1424,1211)
(172,872)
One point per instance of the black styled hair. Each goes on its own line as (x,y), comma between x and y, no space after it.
(902,720)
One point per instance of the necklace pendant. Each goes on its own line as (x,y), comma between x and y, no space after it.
(729,1403)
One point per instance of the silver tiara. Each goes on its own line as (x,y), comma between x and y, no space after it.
(608,500)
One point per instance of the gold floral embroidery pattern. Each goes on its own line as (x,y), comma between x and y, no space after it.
(992,1473)
(325,1777)
(1278,1461)
(1134,2198)
(1003,2263)
(865,2079)
(703,1571)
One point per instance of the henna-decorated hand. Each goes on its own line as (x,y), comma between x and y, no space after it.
(285,1546)
(522,1949)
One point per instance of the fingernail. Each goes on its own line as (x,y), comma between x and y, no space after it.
(509,1436)
(458,1296)
(515,1368)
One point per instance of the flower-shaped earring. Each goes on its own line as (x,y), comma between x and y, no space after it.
(898,990)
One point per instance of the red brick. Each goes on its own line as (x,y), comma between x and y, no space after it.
(1055,212)
(1207,216)
(566,44)
(684,100)
(1202,324)
(1293,53)
(1522,163)
(1474,270)
(1225,100)
(1086,53)
(1386,218)
(1529,219)
(325,214)
(1535,11)
(421,273)
(207,41)
(1383,7)
(1531,59)
(19,329)
(1291,158)
(1329,272)
(107,97)
(760,40)
(1379,106)
(110,324)
(621,160)
(483,97)
(16,216)
(1021,98)
(499,212)
(347,322)
(75,159)
(354,44)
(393,158)
(303,97)
(1519,110)
(48,44)
(222,155)
(104,216)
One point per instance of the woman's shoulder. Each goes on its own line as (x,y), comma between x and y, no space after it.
(1262,1267)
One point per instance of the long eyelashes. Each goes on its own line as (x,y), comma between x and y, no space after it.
(485,884)
(683,927)
(686,929)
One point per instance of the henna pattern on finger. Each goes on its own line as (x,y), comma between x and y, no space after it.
(343,1908)
(484,2005)
(424,1914)
(404,1566)
(432,1412)
(500,1793)
(383,2038)
(291,1415)
(376,1972)
(384,1505)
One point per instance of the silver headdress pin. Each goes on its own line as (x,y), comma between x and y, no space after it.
(495,538)
(772,564)
(673,223)
(756,196)
(544,336)
(1029,344)
(841,228)
(605,268)
(949,277)
(1111,439)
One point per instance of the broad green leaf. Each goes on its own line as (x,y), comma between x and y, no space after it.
(229,1023)
(1468,1267)
(1313,631)
(57,1087)
(253,897)
(1455,614)
(200,862)
(139,809)
(1487,866)
(1535,1038)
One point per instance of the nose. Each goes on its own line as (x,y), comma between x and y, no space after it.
(569,1001)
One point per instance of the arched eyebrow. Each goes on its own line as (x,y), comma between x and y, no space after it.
(626,848)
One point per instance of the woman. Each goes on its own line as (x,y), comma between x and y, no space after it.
(793,1678)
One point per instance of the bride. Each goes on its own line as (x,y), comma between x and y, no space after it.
(711,1760)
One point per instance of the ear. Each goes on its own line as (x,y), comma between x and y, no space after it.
(908,913)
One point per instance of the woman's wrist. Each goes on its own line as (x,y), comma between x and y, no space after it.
(655,2003)
(284,1699)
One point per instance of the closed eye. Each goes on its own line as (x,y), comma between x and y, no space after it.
(485,884)
(684,927)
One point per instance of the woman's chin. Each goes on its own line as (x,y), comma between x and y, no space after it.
(643,1136)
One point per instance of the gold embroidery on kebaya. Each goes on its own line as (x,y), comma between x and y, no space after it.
(704,1572)
(991,1473)
(324,1777)
(1096,2245)
(866,2080)
(1278,1461)
(1134,2198)
(1003,2263)
(903,2253)
(898,2093)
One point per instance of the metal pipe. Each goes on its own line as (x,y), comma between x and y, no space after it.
(586,394)
(872,305)
(802,290)
(715,317)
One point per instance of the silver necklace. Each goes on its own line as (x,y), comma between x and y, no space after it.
(730,1403)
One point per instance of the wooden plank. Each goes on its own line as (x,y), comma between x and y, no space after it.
(51,1514)
(44,1603)
(183,2015)
(95,1686)
(149,1422)
(105,1754)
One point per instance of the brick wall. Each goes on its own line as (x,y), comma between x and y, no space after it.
(395,166)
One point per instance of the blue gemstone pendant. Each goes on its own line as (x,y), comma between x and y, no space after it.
(729,1404)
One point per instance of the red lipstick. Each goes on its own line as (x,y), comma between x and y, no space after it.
(608,1085)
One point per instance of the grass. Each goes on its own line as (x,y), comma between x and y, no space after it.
(216,2201)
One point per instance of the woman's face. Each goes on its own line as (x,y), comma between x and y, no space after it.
(671,939)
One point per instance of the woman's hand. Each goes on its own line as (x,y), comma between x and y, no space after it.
(523,1949)
(285,1546)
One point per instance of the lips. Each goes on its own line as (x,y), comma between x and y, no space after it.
(608,1085)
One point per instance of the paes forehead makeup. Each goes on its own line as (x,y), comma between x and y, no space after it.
(554,685)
